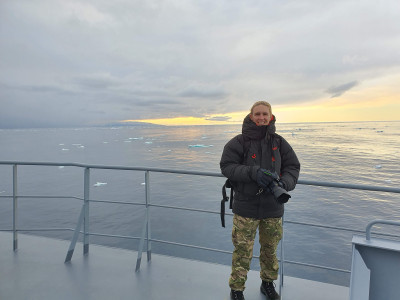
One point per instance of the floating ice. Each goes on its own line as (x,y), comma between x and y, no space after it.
(61,167)
(105,142)
(378,167)
(143,183)
(200,146)
(64,149)
(388,181)
(127,141)
(99,183)
(61,144)
(148,142)
(231,131)
(136,138)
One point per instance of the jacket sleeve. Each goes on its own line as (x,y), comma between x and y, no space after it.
(231,163)
(290,166)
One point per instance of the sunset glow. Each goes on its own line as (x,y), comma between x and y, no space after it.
(336,110)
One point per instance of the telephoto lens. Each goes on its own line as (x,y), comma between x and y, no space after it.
(280,194)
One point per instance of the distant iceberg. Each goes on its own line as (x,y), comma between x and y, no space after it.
(99,183)
(200,146)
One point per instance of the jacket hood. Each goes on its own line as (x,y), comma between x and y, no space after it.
(254,132)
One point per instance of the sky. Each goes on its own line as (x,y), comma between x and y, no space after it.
(98,62)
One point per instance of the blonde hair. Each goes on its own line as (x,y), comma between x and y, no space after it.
(265,103)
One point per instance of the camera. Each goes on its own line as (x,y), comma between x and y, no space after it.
(280,194)
(276,187)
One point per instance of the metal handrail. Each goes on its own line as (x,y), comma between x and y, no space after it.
(372,223)
(146,231)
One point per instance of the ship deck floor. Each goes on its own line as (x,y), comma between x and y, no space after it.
(37,271)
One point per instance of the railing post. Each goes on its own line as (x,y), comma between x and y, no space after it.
(146,226)
(71,248)
(147,180)
(86,188)
(15,208)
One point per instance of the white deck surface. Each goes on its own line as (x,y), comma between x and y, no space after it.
(37,272)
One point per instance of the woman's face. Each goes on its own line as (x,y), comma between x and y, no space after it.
(261,115)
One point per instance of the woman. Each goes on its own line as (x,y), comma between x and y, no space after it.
(261,166)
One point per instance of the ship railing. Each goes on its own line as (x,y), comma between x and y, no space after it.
(83,220)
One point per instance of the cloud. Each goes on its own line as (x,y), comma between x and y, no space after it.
(338,90)
(103,61)
(96,81)
(219,118)
(207,92)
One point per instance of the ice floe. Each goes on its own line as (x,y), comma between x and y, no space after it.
(378,167)
(64,149)
(100,183)
(200,146)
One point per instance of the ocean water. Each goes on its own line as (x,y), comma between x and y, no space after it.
(355,152)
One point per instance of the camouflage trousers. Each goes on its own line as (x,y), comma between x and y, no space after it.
(243,235)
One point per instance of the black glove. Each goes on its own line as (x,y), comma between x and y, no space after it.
(264,178)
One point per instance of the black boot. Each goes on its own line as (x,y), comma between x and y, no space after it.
(268,289)
(237,295)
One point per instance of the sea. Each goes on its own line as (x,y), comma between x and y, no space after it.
(366,153)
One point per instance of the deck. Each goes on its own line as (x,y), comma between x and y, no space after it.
(37,271)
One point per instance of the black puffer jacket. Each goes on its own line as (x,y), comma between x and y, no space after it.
(258,146)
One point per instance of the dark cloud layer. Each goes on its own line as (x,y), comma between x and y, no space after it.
(219,118)
(338,90)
